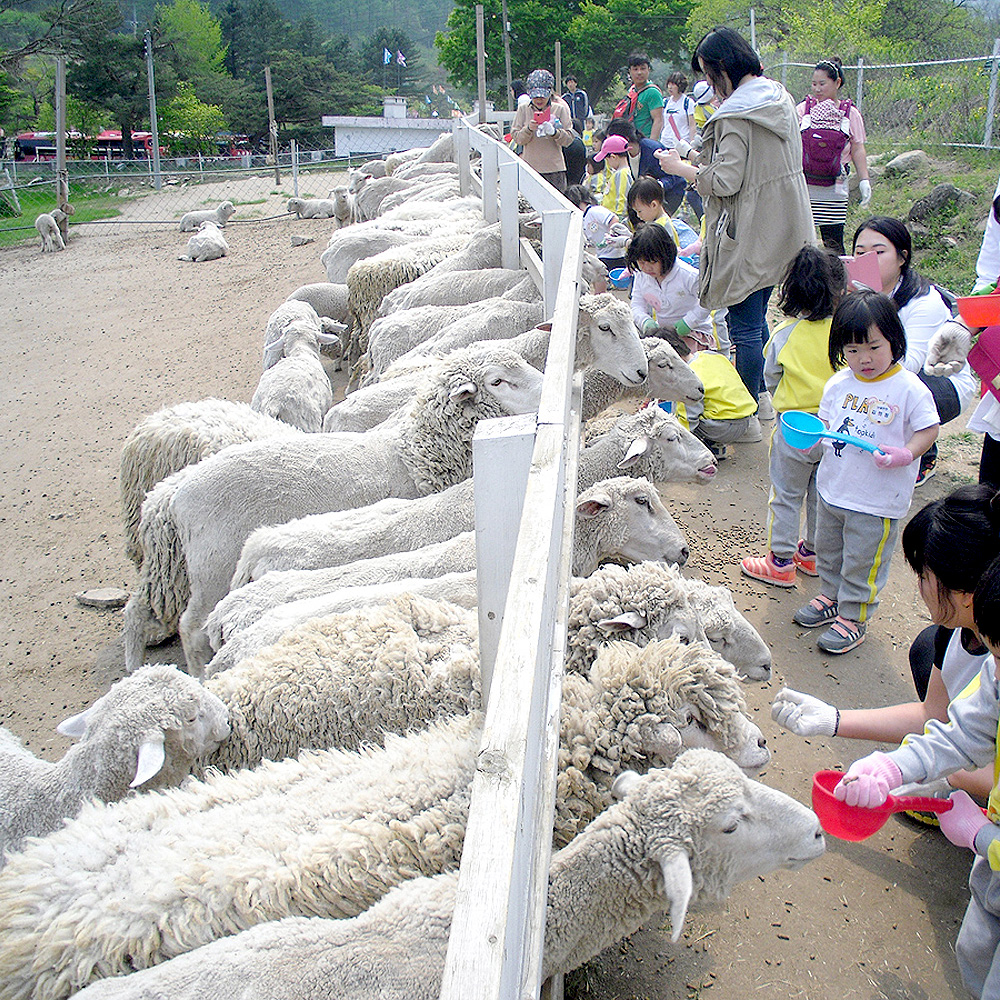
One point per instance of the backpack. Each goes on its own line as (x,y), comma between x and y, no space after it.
(626,106)
(825,132)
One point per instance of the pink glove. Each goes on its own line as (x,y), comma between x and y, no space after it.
(962,821)
(868,781)
(888,457)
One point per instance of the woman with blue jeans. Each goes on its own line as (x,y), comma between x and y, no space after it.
(749,173)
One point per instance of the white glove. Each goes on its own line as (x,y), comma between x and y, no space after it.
(545,128)
(948,348)
(803,714)
(865,190)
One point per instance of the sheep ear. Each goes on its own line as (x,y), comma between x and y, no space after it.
(547,327)
(331,330)
(76,725)
(151,758)
(624,784)
(624,621)
(636,450)
(467,390)
(592,506)
(677,887)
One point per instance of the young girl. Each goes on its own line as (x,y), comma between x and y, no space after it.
(665,289)
(601,228)
(645,204)
(614,150)
(796,368)
(862,495)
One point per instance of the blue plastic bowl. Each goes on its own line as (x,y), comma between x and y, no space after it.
(620,277)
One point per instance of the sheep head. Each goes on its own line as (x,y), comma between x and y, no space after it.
(670,376)
(655,445)
(609,339)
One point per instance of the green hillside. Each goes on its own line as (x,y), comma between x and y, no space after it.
(420,19)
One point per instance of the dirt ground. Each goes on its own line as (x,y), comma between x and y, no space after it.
(116,327)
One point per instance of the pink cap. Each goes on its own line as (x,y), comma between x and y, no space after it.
(617,144)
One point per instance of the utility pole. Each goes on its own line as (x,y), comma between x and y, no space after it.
(157,180)
(272,126)
(62,174)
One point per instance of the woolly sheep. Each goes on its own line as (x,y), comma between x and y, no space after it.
(431,189)
(374,168)
(194,523)
(206,244)
(148,730)
(174,438)
(191,221)
(311,208)
(296,389)
(327,299)
(343,206)
(394,160)
(296,312)
(457,289)
(47,225)
(619,519)
(324,834)
(408,171)
(675,838)
(368,199)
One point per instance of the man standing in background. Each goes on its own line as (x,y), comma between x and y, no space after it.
(648,116)
(578,103)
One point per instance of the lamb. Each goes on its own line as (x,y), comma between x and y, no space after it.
(296,312)
(674,838)
(194,523)
(148,730)
(191,221)
(206,244)
(312,208)
(343,206)
(325,834)
(450,289)
(423,189)
(47,225)
(619,519)
(374,168)
(174,438)
(327,298)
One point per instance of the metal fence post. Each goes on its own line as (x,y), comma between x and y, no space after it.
(861,81)
(295,167)
(991,104)
(153,127)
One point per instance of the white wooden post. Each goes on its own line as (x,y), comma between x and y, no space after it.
(489,168)
(510,249)
(461,134)
(555,233)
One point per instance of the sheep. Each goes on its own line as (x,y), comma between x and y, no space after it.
(47,224)
(673,838)
(457,289)
(343,206)
(206,244)
(619,519)
(394,160)
(368,200)
(126,886)
(295,312)
(174,438)
(423,189)
(374,168)
(311,208)
(327,298)
(296,389)
(148,731)
(191,221)
(194,523)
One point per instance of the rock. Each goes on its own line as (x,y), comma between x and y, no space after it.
(103,597)
(906,163)
(301,241)
(944,198)
(124,193)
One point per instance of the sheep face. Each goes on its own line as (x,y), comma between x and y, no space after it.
(614,342)
(728,632)
(513,383)
(672,453)
(225,212)
(670,376)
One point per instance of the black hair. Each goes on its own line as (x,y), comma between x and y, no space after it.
(645,189)
(639,59)
(654,243)
(598,137)
(833,68)
(856,315)
(624,128)
(956,538)
(724,51)
(580,194)
(518,87)
(679,80)
(598,165)
(911,284)
(813,283)
(986,604)
(676,341)
(568,77)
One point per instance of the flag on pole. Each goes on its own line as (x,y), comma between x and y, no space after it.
(386,57)
(400,58)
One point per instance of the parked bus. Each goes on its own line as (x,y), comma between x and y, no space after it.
(34,146)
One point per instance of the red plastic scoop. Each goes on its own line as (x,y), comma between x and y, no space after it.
(856,822)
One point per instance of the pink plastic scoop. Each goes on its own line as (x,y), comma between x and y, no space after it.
(856,822)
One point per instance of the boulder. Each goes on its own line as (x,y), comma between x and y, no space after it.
(907,163)
(944,198)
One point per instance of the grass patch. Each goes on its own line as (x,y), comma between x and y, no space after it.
(90,204)
(251,201)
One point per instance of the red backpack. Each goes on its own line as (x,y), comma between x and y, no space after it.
(626,106)
(825,133)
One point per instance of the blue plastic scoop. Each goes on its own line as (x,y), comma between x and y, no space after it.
(802,430)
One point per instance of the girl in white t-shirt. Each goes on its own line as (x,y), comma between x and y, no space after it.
(862,495)
(678,112)
(603,232)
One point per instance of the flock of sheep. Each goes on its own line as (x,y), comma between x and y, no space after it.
(286,818)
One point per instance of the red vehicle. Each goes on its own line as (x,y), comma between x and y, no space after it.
(33,146)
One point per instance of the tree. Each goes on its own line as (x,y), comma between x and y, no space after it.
(192,39)
(27,32)
(392,75)
(191,124)
(253,31)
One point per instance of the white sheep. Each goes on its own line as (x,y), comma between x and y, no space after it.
(374,168)
(368,199)
(191,221)
(148,730)
(425,169)
(327,298)
(174,438)
(432,189)
(47,226)
(127,886)
(619,519)
(675,838)
(343,206)
(206,244)
(311,208)
(194,524)
(456,289)
(394,160)
(294,313)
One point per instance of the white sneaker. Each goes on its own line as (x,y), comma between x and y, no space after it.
(752,434)
(765,409)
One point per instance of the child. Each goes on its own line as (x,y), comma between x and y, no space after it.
(665,289)
(968,739)
(588,132)
(614,150)
(601,228)
(645,204)
(796,368)
(862,495)
(597,176)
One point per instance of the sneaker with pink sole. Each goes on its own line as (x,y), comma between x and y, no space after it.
(804,560)
(768,571)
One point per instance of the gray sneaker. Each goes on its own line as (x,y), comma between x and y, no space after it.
(753,433)
(765,408)
(819,611)
(842,636)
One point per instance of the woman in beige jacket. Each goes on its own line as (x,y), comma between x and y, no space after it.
(543,126)
(757,214)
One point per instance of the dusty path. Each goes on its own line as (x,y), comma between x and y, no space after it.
(99,336)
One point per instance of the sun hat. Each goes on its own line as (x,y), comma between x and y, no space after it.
(702,92)
(540,83)
(617,144)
